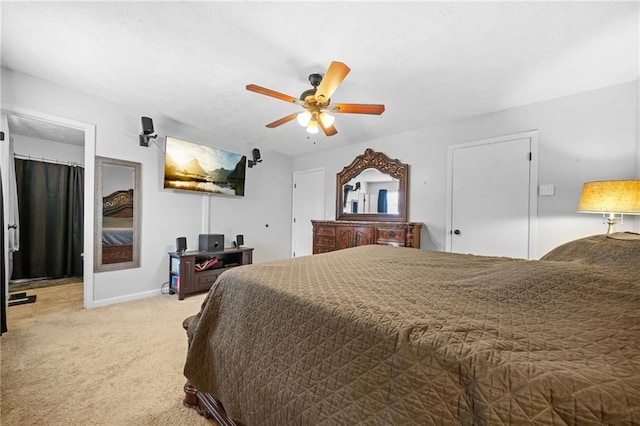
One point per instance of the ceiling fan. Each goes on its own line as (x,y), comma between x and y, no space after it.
(317,101)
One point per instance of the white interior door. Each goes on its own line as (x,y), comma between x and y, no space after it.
(491,197)
(308,204)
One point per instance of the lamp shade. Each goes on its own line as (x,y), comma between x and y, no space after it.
(327,119)
(312,127)
(303,118)
(611,196)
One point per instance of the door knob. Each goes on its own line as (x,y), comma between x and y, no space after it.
(457,232)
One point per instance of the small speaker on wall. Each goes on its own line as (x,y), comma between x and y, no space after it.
(256,157)
(147,125)
(147,130)
(239,240)
(181,244)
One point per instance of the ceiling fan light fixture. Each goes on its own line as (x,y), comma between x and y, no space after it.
(312,127)
(303,118)
(316,102)
(327,119)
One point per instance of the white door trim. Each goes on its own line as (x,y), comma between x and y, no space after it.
(532,135)
(89,167)
(293,201)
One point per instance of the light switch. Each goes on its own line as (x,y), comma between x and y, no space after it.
(546,190)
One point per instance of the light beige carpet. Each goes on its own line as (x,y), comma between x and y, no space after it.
(117,365)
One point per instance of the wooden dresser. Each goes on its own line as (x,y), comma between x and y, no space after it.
(330,235)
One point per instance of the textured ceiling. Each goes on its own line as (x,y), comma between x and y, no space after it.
(428,62)
(40,129)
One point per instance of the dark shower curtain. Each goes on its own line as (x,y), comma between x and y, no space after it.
(51,205)
(382,201)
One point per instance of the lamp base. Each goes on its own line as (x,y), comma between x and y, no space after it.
(611,220)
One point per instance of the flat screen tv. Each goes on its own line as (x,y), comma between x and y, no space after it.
(194,167)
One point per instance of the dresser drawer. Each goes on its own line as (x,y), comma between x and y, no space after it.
(391,237)
(341,234)
(324,241)
(329,231)
(204,280)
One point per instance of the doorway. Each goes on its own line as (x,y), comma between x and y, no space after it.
(87,136)
(308,204)
(50,200)
(492,196)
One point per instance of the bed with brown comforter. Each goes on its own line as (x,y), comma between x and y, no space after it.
(397,336)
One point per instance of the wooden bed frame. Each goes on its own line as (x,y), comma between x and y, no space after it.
(117,253)
(118,204)
(206,404)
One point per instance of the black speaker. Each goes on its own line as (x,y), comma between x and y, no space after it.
(147,125)
(181,244)
(239,240)
(256,157)
(211,242)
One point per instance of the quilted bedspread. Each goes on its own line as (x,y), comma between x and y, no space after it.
(399,336)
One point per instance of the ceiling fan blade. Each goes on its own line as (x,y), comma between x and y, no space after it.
(329,131)
(356,108)
(335,74)
(282,120)
(264,91)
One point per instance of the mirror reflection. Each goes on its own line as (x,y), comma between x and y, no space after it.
(117,214)
(372,187)
(371,192)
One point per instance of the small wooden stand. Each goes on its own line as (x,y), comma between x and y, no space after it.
(186,279)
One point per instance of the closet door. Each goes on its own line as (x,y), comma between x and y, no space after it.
(491,197)
(308,205)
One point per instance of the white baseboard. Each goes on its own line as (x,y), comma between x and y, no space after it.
(126,298)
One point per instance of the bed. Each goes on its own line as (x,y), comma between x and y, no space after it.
(117,227)
(391,335)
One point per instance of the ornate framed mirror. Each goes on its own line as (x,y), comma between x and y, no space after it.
(372,187)
(117,214)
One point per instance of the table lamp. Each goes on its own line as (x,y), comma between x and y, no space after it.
(609,198)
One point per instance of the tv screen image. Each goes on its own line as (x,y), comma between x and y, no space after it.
(194,167)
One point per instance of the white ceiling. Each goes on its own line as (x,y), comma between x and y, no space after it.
(46,130)
(428,62)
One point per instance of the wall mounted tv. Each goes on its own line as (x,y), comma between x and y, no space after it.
(194,167)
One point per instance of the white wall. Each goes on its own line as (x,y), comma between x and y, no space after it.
(585,137)
(637,222)
(167,214)
(47,149)
(117,178)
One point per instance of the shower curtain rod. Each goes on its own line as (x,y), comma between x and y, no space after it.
(48,160)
